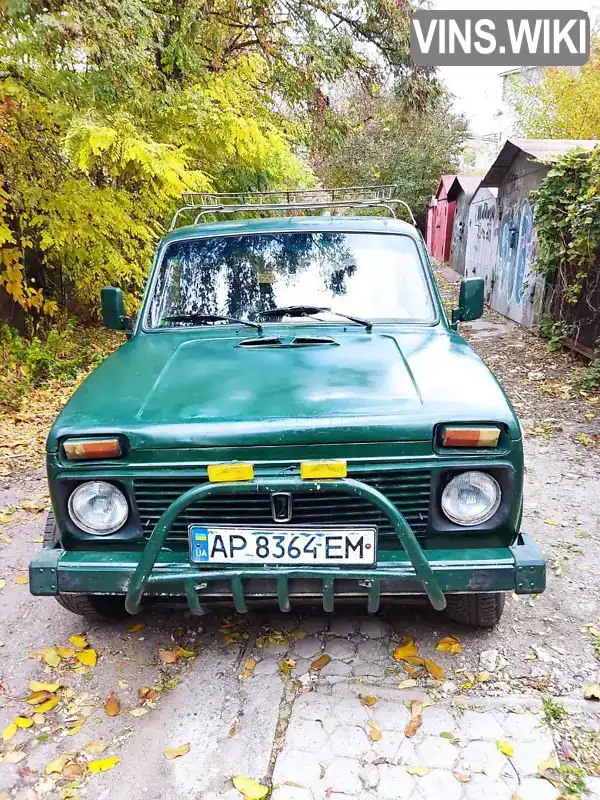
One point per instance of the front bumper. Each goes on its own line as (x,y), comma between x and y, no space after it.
(410,571)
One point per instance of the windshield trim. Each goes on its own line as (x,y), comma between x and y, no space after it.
(160,257)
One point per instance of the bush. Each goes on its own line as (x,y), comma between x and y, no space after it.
(61,356)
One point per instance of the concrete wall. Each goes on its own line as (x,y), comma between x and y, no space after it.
(518,291)
(481,252)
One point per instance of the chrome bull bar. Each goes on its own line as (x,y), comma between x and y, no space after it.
(143,573)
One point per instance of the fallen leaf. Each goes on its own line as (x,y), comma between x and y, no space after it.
(12,758)
(138,626)
(2,584)
(87,657)
(23,722)
(592,692)
(95,747)
(57,766)
(48,705)
(80,642)
(168,656)
(249,665)
(21,579)
(367,700)
(175,752)
(375,734)
(409,683)
(483,677)
(413,726)
(414,673)
(38,540)
(447,735)
(285,667)
(317,665)
(140,711)
(37,686)
(551,521)
(420,771)
(462,778)
(298,634)
(251,789)
(51,657)
(183,653)
(415,708)
(112,706)
(103,764)
(65,652)
(505,748)
(434,670)
(9,731)
(148,694)
(40,696)
(75,726)
(449,644)
(406,650)
(550,763)
(74,771)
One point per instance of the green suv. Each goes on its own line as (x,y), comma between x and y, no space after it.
(293,418)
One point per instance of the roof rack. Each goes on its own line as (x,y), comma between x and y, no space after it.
(203,203)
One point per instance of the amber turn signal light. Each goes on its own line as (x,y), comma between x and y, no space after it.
(81,449)
(471,437)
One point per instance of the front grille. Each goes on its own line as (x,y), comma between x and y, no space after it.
(408,490)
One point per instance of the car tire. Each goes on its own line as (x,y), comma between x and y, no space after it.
(85,605)
(480,610)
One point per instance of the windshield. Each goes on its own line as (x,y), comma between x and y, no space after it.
(373,276)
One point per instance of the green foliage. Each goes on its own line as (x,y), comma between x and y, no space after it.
(564,105)
(60,357)
(588,379)
(555,333)
(390,142)
(567,212)
(109,110)
(554,711)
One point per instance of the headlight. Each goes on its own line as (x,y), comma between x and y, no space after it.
(98,507)
(471,498)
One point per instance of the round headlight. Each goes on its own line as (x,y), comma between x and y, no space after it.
(98,507)
(471,498)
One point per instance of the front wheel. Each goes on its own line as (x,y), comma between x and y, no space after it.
(480,610)
(86,605)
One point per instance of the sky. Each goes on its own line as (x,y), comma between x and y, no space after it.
(478,90)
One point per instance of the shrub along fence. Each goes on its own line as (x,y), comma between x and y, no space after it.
(567,214)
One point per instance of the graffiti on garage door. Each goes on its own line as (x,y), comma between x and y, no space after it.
(518,289)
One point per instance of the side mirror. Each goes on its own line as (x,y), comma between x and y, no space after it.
(113,310)
(470,301)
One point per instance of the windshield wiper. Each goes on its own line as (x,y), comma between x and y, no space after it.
(308,311)
(205,319)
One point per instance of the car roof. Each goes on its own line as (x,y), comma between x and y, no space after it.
(292,225)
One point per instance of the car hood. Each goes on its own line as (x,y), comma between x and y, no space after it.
(194,389)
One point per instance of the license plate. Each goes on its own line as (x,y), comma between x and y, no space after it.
(243,545)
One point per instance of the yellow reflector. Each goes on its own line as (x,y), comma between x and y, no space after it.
(228,473)
(471,437)
(309,470)
(77,449)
